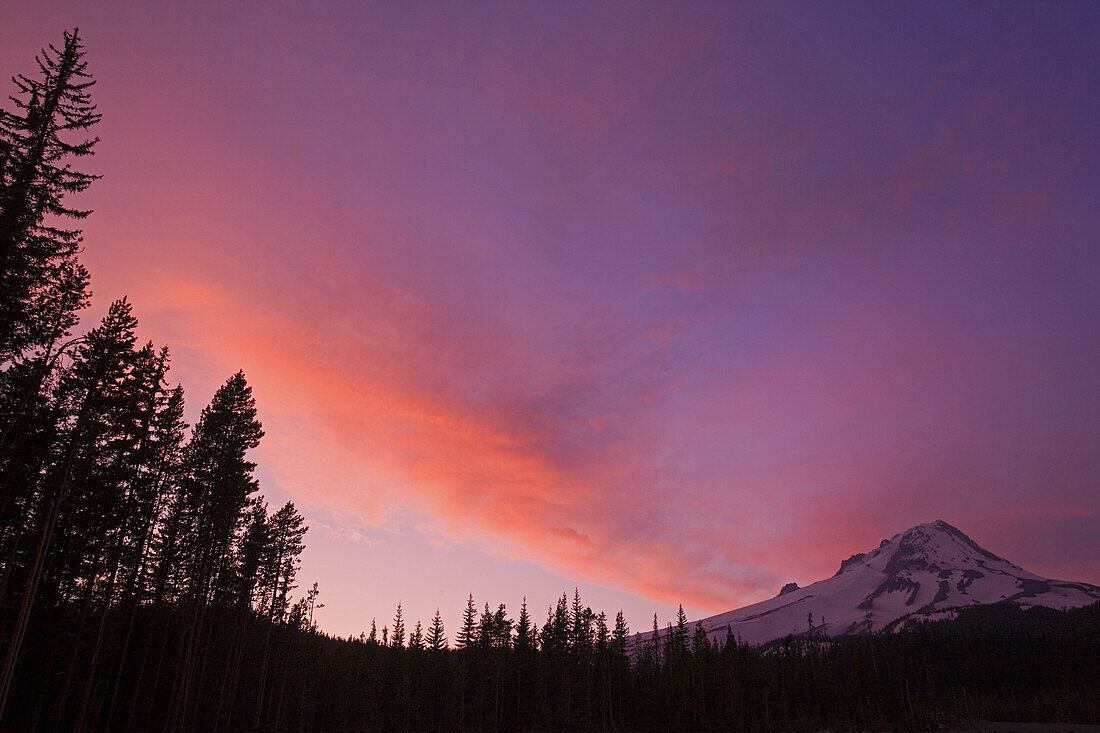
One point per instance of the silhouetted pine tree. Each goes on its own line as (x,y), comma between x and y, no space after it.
(122,496)
(680,634)
(41,284)
(467,633)
(485,628)
(146,571)
(436,640)
(214,492)
(416,638)
(526,646)
(554,644)
(311,598)
(655,641)
(281,560)
(398,636)
(254,544)
(152,459)
(620,665)
(164,577)
(216,486)
(35,424)
(298,618)
(602,670)
(25,382)
(90,394)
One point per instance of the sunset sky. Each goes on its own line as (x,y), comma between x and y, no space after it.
(670,302)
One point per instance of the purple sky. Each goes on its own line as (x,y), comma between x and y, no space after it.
(673,303)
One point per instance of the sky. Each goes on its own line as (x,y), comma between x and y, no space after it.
(671,303)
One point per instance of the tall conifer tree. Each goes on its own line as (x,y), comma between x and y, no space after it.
(217,483)
(467,633)
(91,391)
(282,559)
(214,493)
(398,636)
(36,173)
(436,640)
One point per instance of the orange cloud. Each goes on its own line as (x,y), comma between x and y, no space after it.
(351,427)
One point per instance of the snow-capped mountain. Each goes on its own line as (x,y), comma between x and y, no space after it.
(923,572)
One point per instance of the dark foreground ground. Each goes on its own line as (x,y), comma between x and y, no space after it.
(985,726)
(252,675)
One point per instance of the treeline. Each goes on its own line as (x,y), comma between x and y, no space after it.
(146,585)
(576,671)
(129,543)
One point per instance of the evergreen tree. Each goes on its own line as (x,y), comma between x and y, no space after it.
(620,664)
(603,633)
(502,628)
(214,492)
(436,641)
(217,483)
(556,630)
(24,383)
(526,639)
(87,474)
(679,636)
(416,638)
(578,636)
(165,544)
(655,642)
(254,545)
(602,662)
(700,643)
(467,633)
(486,630)
(526,651)
(398,629)
(311,596)
(91,392)
(620,637)
(38,271)
(281,560)
(115,493)
(298,617)
(159,428)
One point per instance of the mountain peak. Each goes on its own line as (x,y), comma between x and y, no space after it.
(925,571)
(932,546)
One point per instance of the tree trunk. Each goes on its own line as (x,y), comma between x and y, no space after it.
(26,606)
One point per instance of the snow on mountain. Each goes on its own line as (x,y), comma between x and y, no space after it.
(923,572)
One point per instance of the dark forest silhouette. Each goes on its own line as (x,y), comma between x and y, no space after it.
(147,585)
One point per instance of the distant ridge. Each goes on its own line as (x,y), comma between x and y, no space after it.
(924,572)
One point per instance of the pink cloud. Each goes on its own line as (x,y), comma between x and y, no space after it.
(660,299)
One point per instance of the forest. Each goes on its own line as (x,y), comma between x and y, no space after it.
(147,584)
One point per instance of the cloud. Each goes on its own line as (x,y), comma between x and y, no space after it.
(686,302)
